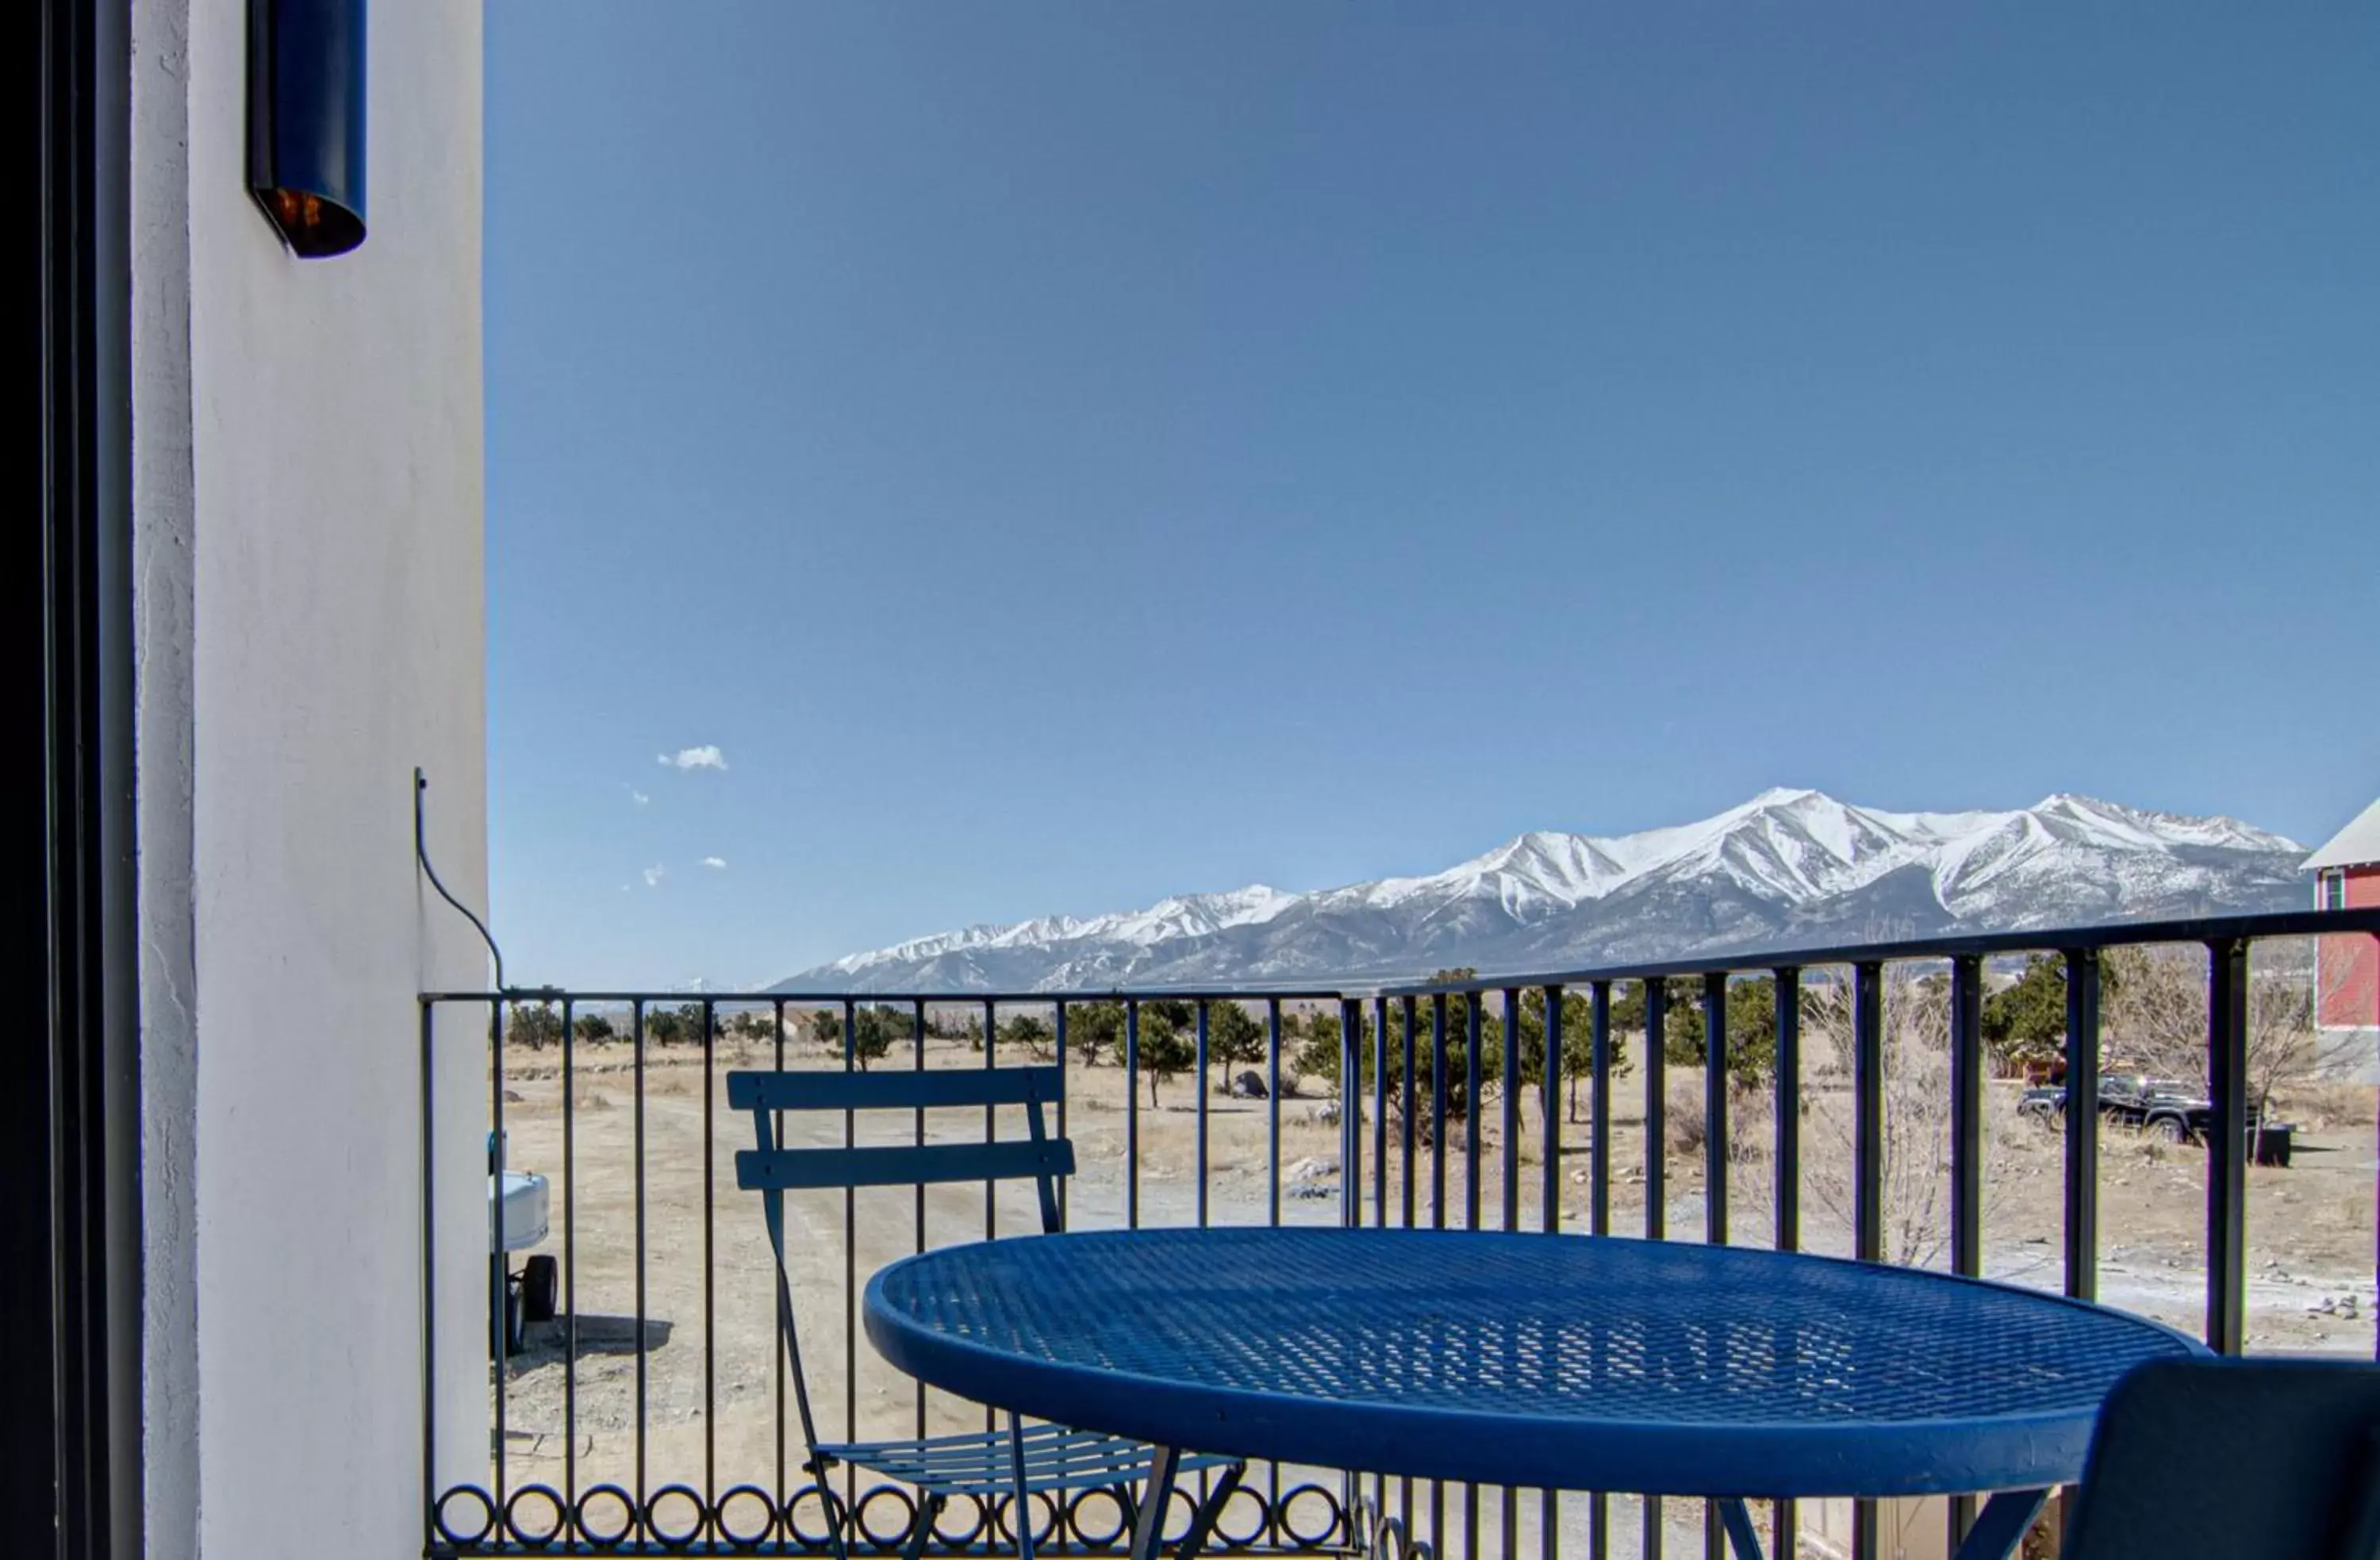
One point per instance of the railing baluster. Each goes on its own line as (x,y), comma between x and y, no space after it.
(1058,1026)
(569,1267)
(1350,1112)
(1657,1153)
(1378,1185)
(2227,1156)
(1967,1115)
(1472,1036)
(1788,1149)
(499,1296)
(2083,969)
(429,1274)
(644,1487)
(991,1198)
(1272,1119)
(990,1134)
(1966,1153)
(1867,1112)
(1549,1087)
(1783,1539)
(1598,1195)
(710,1273)
(777,1334)
(1203,1092)
(1272,1213)
(1510,1086)
(1867,1166)
(917,1135)
(1410,1012)
(1380,1111)
(1657,1109)
(1437,1105)
(1715,1126)
(1508,1499)
(1715,1143)
(1549,1090)
(1132,1113)
(850,1277)
(1598,1111)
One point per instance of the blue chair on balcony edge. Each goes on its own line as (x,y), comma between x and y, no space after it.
(1024,1459)
(2234,1459)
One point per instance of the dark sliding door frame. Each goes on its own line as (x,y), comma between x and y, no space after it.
(69,1116)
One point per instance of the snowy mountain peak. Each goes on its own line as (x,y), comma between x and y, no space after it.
(1790,867)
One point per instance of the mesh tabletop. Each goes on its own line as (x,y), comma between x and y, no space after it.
(1562,1361)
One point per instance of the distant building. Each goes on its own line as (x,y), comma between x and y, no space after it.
(2347,968)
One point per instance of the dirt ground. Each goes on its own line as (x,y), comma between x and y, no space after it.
(707,1371)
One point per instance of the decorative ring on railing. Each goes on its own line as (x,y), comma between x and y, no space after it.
(1075,1518)
(867,1530)
(830,1507)
(583,1519)
(687,1538)
(448,1532)
(1186,1503)
(1329,1531)
(536,1539)
(1225,1538)
(607,1519)
(1003,1525)
(751,1538)
(982,1517)
(1389,1540)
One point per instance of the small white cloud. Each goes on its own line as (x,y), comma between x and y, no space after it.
(638,797)
(653,876)
(717,863)
(708,756)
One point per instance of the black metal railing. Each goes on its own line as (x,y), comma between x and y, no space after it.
(612,1436)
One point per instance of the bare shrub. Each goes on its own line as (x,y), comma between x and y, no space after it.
(1686,1128)
(2156,1014)
(1915,1202)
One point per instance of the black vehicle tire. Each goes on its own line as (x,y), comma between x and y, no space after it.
(540,1289)
(2171,1128)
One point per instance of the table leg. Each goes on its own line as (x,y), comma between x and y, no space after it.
(1202,1523)
(1738,1523)
(1156,1496)
(2002,1524)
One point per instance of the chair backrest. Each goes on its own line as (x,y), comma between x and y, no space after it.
(2221,1459)
(772,1169)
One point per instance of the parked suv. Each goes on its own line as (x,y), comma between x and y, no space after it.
(2168,1107)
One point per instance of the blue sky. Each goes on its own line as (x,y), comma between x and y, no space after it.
(1058,455)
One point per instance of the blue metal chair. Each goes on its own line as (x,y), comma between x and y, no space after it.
(2225,1459)
(1024,1460)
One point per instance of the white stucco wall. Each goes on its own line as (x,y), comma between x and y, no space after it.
(307,490)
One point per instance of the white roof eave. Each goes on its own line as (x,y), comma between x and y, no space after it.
(2356,845)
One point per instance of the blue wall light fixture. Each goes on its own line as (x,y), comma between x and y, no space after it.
(306,121)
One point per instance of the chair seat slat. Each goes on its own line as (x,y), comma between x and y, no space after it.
(901,1164)
(978,1463)
(825,1090)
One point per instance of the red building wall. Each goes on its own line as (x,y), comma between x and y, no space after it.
(2347,983)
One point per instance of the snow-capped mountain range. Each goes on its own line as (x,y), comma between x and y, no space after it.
(1786,869)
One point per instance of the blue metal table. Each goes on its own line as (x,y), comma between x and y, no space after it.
(1536,1360)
